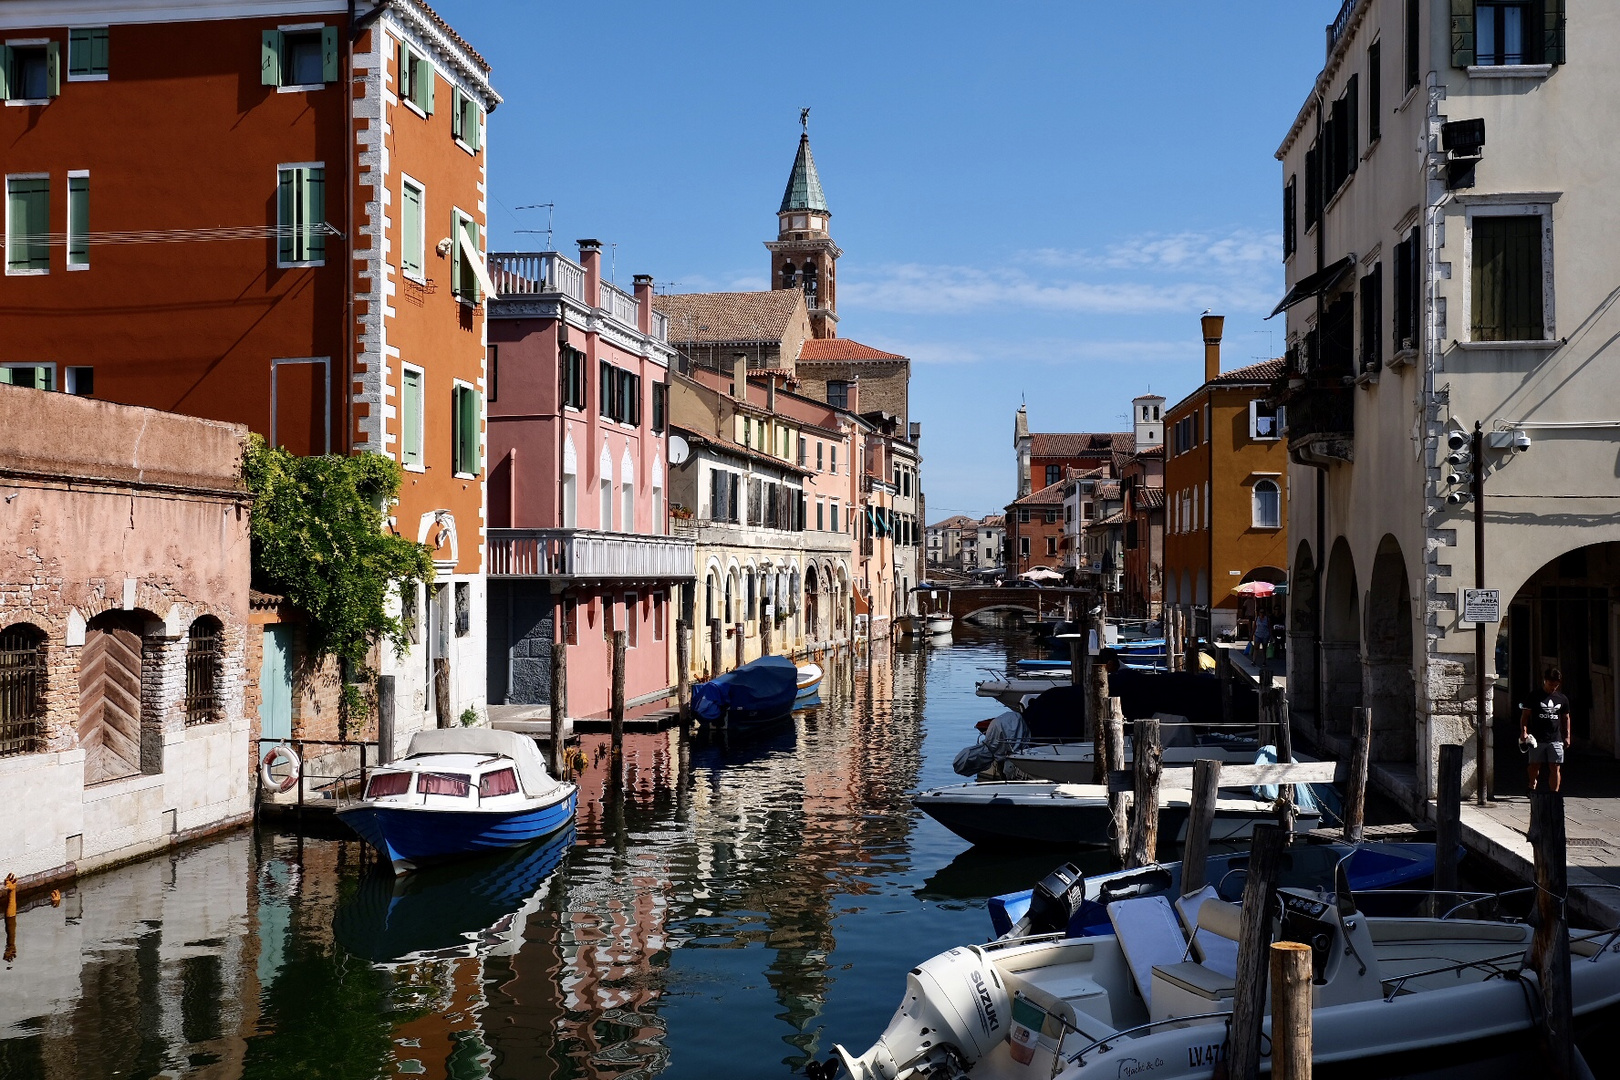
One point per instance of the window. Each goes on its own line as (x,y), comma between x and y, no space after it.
(1375,91)
(1023,516)
(413,230)
(87,53)
(1507,301)
(821,516)
(1265,420)
(660,407)
(22,689)
(415,79)
(1051,545)
(658,616)
(301,215)
(456,785)
(1408,293)
(632,620)
(1289,243)
(657,505)
(463,598)
(1340,154)
(838,394)
(80,381)
(204,650)
(627,505)
(299,59)
(1414,59)
(833,520)
(466,413)
(1054,473)
(1503,34)
(36,376)
(619,394)
(833,451)
(605,488)
(383,784)
(464,258)
(28,212)
(410,418)
(570,614)
(804,450)
(1051,517)
(1267,505)
(1313,184)
(492,369)
(818,456)
(78,248)
(1372,319)
(31,71)
(1023,547)
(573,378)
(466,121)
(497,783)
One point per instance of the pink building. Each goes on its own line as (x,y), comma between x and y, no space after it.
(578,520)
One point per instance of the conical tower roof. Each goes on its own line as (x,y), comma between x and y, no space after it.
(804,186)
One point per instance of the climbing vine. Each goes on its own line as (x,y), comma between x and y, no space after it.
(319,539)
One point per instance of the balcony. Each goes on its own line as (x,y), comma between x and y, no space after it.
(1321,424)
(520,274)
(588,555)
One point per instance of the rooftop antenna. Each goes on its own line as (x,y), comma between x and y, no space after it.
(550,209)
(613,263)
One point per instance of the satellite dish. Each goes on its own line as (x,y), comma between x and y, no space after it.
(678,450)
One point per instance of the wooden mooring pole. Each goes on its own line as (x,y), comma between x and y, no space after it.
(1290,1010)
(385,719)
(1355,787)
(742,643)
(716,648)
(1249,997)
(765,634)
(1285,730)
(620,641)
(1119,803)
(1097,698)
(1447,829)
(1549,950)
(1145,810)
(559,710)
(683,674)
(1200,821)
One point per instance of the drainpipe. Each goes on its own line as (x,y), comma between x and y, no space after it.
(1320,466)
(351,176)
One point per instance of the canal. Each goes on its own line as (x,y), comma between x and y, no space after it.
(723,910)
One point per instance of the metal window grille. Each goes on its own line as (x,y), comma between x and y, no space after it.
(202,673)
(22,691)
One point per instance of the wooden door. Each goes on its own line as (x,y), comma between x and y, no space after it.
(275,685)
(110,701)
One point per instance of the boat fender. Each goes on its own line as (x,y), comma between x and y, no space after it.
(278,753)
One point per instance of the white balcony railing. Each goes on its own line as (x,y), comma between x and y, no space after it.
(619,304)
(588,554)
(660,326)
(531,273)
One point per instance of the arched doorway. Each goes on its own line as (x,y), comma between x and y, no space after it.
(1341,640)
(812,609)
(110,719)
(1387,664)
(1300,628)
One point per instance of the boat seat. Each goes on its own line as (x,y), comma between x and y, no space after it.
(1213,934)
(1197,979)
(1149,935)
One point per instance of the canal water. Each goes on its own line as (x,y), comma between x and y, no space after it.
(721,911)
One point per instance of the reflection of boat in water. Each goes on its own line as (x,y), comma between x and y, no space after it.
(445,907)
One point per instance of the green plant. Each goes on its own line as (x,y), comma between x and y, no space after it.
(319,539)
(468,717)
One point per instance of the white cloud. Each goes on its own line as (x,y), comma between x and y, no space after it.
(1037,351)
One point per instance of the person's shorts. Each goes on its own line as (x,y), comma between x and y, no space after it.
(1547,753)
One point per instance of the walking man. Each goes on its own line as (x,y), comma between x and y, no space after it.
(1547,719)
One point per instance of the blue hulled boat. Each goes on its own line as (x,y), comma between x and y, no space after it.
(460,792)
(757,693)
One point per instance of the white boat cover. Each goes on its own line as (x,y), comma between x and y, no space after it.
(531,767)
(1149,936)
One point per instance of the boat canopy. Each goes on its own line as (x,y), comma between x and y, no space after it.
(531,767)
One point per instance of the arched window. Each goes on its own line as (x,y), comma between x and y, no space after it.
(753,593)
(731,582)
(605,470)
(204,650)
(1267,505)
(22,689)
(570,484)
(810,283)
(789,276)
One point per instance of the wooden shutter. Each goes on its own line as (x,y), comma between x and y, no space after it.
(270,58)
(455,113)
(455,256)
(473,133)
(424,75)
(1552,39)
(329,54)
(313,215)
(469,449)
(1352,125)
(53,69)
(1462,33)
(78,253)
(410,451)
(473,286)
(1375,91)
(110,702)
(410,258)
(286,214)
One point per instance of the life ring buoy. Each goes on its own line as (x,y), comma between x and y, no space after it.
(280,752)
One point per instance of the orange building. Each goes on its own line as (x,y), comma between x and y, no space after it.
(1225,484)
(260,212)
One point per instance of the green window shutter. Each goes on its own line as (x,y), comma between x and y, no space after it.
(329,54)
(286,215)
(99,57)
(78,221)
(1552,41)
(466,430)
(424,72)
(1462,33)
(410,258)
(402,62)
(410,450)
(475,127)
(79,50)
(270,58)
(474,289)
(5,72)
(1352,123)
(455,113)
(28,245)
(53,69)
(455,256)
(313,217)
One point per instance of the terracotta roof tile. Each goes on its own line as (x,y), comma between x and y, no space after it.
(1150,498)
(710,318)
(1051,494)
(842,349)
(1061,444)
(957,521)
(1265,371)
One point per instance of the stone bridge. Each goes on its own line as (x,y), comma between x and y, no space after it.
(966,601)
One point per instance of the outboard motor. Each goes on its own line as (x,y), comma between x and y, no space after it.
(955,1011)
(1056,899)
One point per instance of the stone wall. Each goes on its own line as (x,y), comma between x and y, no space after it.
(885,384)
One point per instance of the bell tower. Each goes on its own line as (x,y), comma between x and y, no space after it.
(803,255)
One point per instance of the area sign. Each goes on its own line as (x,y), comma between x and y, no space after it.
(1482,606)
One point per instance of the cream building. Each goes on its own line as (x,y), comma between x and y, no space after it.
(1449,227)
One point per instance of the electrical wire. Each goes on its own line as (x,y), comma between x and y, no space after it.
(171,236)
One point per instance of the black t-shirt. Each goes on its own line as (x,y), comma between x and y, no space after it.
(1547,712)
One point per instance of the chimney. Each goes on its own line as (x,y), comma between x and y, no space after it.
(644,302)
(770,393)
(854,405)
(739,376)
(590,257)
(1213,325)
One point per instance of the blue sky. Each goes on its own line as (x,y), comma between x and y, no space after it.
(1035,201)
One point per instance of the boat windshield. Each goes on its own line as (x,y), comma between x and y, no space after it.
(384,784)
(499,782)
(456,784)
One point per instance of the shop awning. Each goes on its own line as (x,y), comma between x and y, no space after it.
(1312,285)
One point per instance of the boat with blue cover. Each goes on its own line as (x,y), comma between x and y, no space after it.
(460,792)
(760,692)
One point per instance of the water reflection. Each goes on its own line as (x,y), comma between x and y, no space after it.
(719,905)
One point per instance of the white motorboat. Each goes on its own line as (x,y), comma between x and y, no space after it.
(1034,812)
(810,676)
(1073,762)
(1011,690)
(940,622)
(1391,996)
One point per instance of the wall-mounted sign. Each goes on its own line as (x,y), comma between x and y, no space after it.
(1481,606)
